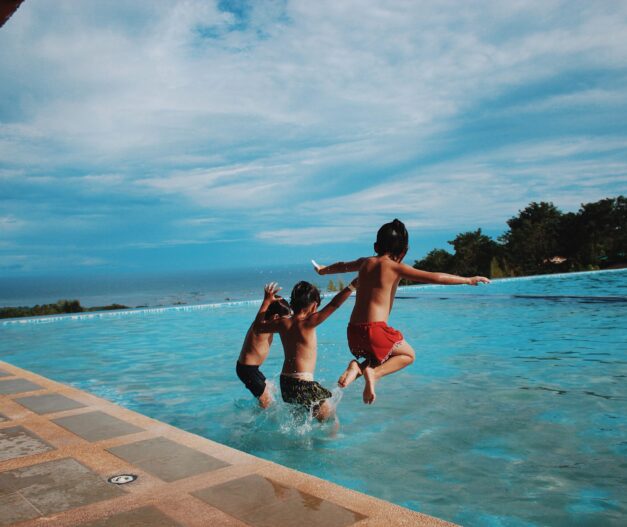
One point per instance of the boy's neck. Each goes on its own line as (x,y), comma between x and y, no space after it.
(396,259)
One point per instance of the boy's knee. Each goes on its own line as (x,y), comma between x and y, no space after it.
(265,399)
(411,356)
(323,411)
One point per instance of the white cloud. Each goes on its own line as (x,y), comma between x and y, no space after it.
(344,69)
(475,191)
(324,111)
(314,235)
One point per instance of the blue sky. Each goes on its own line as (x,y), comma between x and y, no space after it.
(159,135)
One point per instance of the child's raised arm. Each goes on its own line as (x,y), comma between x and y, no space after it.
(320,316)
(416,275)
(261,325)
(338,267)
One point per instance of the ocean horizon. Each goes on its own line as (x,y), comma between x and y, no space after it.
(188,289)
(156,289)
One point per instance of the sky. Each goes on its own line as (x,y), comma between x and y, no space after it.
(153,135)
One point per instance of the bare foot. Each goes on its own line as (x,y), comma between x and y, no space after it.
(369,394)
(352,372)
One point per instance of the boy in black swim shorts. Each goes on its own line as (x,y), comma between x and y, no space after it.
(298,336)
(255,351)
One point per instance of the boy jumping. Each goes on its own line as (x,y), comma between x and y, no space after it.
(384,349)
(255,351)
(298,335)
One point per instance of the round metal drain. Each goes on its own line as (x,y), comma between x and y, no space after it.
(122,479)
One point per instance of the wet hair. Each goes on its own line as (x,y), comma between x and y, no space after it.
(392,238)
(303,295)
(278,307)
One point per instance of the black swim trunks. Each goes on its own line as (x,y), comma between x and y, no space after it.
(252,378)
(306,393)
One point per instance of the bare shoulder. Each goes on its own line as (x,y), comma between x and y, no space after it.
(286,322)
(370,262)
(398,268)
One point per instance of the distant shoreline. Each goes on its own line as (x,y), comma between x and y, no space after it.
(62,307)
(73,307)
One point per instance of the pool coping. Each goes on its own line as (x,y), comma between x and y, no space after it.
(212,468)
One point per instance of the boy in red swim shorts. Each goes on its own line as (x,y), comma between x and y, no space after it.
(384,349)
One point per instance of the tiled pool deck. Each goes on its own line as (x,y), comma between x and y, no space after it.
(59,446)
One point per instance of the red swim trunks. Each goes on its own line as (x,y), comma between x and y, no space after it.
(373,340)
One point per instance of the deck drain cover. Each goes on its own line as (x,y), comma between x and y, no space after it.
(122,479)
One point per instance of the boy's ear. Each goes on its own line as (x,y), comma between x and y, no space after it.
(376,250)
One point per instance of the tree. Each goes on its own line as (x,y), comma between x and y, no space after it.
(331,286)
(474,252)
(602,231)
(541,239)
(533,238)
(438,260)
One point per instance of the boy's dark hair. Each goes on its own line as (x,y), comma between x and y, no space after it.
(278,307)
(392,238)
(303,295)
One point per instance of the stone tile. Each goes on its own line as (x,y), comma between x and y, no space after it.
(10,386)
(166,459)
(304,511)
(17,441)
(262,502)
(57,486)
(243,495)
(4,373)
(143,517)
(95,426)
(48,403)
(14,508)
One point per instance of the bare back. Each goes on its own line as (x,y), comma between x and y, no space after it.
(298,332)
(378,281)
(255,348)
(300,346)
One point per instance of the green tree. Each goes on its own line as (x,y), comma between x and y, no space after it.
(437,260)
(474,252)
(533,238)
(602,231)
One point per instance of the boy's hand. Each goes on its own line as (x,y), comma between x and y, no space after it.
(318,268)
(474,280)
(270,291)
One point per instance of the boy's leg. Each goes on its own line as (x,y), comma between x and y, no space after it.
(401,357)
(323,411)
(265,399)
(353,370)
(369,378)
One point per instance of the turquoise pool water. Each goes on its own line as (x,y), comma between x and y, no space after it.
(514,413)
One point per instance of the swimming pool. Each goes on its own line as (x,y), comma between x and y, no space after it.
(514,413)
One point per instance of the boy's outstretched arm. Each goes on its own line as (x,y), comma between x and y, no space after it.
(261,325)
(320,316)
(338,267)
(416,275)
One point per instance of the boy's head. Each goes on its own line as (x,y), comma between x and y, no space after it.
(303,295)
(279,308)
(392,239)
